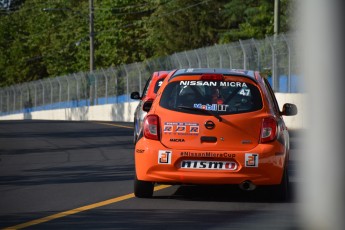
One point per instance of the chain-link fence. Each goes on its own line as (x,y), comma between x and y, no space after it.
(274,56)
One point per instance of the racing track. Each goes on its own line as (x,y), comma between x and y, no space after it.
(86,169)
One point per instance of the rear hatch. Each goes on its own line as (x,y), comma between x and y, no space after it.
(211,112)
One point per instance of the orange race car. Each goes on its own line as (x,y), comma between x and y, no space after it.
(149,94)
(213,126)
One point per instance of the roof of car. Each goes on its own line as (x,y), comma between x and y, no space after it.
(235,72)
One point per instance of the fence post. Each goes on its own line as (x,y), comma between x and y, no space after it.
(258,52)
(77,83)
(189,66)
(106,86)
(113,73)
(14,98)
(289,65)
(274,72)
(51,93)
(220,56)
(207,59)
(35,94)
(7,100)
(127,83)
(59,91)
(140,80)
(116,88)
(42,92)
(197,56)
(96,89)
(28,103)
(179,63)
(67,89)
(230,57)
(21,97)
(1,101)
(244,55)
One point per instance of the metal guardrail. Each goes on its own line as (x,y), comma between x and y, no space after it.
(275,56)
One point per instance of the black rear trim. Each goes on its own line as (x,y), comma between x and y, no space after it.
(208,139)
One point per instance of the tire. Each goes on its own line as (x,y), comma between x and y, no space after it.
(135,136)
(282,192)
(143,189)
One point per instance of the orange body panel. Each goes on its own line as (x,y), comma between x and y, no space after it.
(271,160)
(231,152)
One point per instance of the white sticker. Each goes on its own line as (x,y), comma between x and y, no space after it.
(252,160)
(164,157)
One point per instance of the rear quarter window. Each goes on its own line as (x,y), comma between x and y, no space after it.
(146,88)
(158,85)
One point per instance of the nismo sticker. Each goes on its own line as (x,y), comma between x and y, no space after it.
(218,165)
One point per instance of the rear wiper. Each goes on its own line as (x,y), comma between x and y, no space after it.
(201,110)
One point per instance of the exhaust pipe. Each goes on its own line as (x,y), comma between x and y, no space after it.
(247,185)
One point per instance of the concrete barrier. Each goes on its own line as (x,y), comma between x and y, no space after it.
(125,112)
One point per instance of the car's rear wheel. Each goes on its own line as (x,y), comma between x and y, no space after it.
(281,191)
(143,189)
(135,136)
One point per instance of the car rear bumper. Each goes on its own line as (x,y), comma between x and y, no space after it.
(262,165)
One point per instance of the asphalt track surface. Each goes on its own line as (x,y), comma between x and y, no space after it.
(79,175)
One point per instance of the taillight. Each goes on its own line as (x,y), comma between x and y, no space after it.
(268,129)
(151,127)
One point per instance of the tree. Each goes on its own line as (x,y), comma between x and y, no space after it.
(120,35)
(244,19)
(20,61)
(183,25)
(40,39)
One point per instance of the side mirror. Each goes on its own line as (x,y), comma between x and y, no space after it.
(147,105)
(135,95)
(289,109)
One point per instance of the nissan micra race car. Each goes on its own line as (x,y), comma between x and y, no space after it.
(213,126)
(149,94)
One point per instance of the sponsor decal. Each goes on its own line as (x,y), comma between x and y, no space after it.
(219,165)
(207,154)
(244,92)
(211,107)
(215,83)
(189,70)
(194,129)
(246,142)
(251,160)
(164,156)
(139,150)
(168,128)
(181,128)
(176,140)
(209,125)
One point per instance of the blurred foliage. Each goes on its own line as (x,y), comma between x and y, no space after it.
(40,39)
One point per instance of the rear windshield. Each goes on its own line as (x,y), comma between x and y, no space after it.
(218,97)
